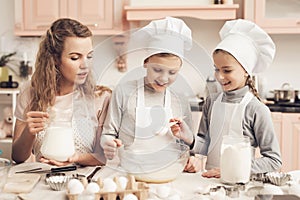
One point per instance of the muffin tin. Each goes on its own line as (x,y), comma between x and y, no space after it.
(57,181)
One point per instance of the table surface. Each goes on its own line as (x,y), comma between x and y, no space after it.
(185,185)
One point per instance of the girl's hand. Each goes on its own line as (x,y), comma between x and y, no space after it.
(194,164)
(213,173)
(36,121)
(175,128)
(181,130)
(109,145)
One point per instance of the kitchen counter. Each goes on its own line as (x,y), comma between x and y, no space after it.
(274,107)
(186,185)
(285,107)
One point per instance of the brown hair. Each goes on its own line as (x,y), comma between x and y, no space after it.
(249,80)
(160,55)
(45,80)
(250,83)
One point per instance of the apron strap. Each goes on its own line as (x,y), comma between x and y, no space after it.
(141,96)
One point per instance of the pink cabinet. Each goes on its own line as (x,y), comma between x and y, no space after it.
(291,141)
(275,16)
(287,128)
(33,17)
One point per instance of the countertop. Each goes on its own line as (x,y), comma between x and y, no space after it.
(186,185)
(285,107)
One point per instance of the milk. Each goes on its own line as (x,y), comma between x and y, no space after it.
(235,161)
(58,143)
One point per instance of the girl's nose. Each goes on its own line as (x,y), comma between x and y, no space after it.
(164,78)
(220,76)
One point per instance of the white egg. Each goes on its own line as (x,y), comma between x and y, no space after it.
(92,188)
(163,191)
(109,185)
(123,182)
(130,197)
(75,186)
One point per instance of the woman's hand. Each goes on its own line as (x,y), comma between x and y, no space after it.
(54,162)
(213,173)
(71,160)
(36,121)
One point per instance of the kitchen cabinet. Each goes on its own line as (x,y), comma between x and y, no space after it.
(291,141)
(275,16)
(33,17)
(206,12)
(287,128)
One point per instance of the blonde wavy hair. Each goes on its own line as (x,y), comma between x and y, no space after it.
(45,82)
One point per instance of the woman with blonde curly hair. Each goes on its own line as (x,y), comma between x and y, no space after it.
(62,88)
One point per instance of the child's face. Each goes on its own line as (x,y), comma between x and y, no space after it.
(162,72)
(229,72)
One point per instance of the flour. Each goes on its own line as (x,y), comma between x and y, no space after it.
(235,163)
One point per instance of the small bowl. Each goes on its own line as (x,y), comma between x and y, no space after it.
(278,178)
(57,181)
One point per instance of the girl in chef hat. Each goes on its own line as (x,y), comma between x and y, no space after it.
(140,110)
(244,49)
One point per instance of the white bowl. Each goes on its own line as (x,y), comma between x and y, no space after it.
(160,166)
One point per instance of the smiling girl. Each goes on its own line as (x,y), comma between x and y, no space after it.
(245,49)
(140,110)
(62,89)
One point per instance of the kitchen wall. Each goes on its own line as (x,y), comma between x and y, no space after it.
(286,67)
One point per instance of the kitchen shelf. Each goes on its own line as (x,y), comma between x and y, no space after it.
(14,92)
(207,12)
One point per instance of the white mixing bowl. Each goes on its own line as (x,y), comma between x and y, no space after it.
(159,166)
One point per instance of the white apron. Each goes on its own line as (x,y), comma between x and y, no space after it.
(151,128)
(226,119)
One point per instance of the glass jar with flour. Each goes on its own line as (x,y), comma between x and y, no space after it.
(58,142)
(235,164)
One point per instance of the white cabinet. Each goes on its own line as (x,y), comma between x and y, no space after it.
(8,98)
(33,17)
(275,16)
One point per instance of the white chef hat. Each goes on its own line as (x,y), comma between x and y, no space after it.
(168,35)
(248,43)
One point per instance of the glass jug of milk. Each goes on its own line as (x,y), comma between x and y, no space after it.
(235,163)
(58,142)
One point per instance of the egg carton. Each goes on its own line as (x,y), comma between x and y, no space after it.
(139,189)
